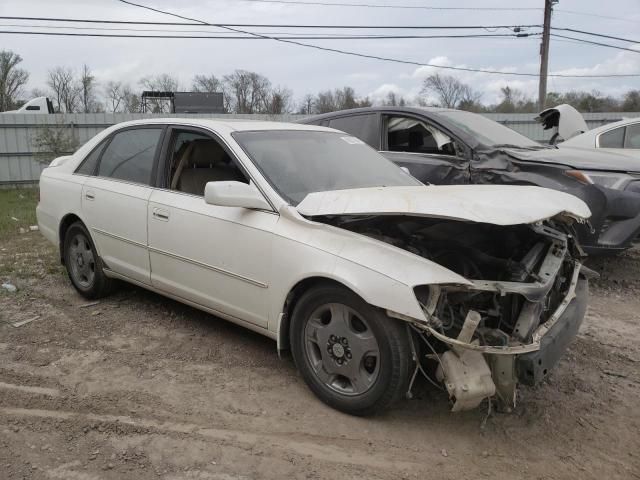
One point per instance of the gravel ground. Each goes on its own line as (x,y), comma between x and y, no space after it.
(138,387)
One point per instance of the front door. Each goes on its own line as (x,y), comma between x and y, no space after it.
(218,257)
(429,153)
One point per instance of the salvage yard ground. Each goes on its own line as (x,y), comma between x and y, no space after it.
(137,386)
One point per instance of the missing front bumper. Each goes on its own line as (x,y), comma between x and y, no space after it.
(532,367)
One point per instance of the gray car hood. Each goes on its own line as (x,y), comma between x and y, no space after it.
(494,204)
(578,158)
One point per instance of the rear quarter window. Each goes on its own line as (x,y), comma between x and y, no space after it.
(90,162)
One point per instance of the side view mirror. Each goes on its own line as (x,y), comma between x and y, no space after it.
(234,194)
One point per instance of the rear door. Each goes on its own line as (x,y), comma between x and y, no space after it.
(115,200)
(429,152)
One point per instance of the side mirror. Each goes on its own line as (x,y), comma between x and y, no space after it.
(234,194)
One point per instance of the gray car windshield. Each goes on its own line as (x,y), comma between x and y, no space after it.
(487,131)
(299,162)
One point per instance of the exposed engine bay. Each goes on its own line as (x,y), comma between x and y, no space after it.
(485,338)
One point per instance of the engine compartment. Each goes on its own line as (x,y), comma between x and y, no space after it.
(523,276)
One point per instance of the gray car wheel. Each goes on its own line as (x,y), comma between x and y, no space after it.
(353,357)
(83,264)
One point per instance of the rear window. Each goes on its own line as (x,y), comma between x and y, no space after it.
(130,155)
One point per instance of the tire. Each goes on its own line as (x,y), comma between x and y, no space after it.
(83,264)
(350,354)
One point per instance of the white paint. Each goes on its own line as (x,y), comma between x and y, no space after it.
(242,263)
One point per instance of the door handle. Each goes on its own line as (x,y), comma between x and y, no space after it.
(160,214)
(89,195)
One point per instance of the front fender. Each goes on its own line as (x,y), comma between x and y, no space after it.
(383,275)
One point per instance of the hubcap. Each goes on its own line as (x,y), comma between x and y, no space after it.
(342,349)
(81,261)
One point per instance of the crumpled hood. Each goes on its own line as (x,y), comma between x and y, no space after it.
(494,204)
(578,158)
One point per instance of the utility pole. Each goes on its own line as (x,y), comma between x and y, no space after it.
(544,53)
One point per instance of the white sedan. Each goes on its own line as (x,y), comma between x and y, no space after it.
(310,237)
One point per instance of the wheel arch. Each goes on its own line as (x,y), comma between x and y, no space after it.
(66,221)
(294,295)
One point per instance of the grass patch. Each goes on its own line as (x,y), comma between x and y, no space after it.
(17,210)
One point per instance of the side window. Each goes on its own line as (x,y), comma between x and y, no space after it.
(90,162)
(612,139)
(365,127)
(130,155)
(632,138)
(197,159)
(407,134)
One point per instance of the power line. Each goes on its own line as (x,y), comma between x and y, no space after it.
(582,40)
(376,57)
(221,36)
(602,35)
(375,5)
(597,15)
(266,25)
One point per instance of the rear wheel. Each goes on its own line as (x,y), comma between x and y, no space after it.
(84,267)
(353,357)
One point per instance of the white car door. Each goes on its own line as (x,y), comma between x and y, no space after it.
(115,200)
(218,257)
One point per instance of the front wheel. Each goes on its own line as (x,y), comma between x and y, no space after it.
(84,267)
(351,355)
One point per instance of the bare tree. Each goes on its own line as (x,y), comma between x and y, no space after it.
(132,103)
(306,106)
(64,89)
(249,92)
(87,86)
(12,79)
(54,140)
(280,101)
(206,83)
(514,101)
(114,96)
(449,91)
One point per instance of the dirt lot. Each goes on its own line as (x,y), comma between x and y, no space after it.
(140,387)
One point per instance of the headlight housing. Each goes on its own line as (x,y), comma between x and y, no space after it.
(615,181)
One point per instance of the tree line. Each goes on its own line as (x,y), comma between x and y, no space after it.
(79,91)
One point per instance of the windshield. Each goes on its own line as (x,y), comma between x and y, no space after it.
(299,162)
(487,131)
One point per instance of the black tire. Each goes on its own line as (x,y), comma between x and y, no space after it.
(83,264)
(391,363)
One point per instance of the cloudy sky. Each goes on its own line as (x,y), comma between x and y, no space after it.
(308,71)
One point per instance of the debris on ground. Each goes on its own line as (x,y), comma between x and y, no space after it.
(9,287)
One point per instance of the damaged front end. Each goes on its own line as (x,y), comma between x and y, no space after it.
(524,304)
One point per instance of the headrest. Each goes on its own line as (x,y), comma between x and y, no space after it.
(206,152)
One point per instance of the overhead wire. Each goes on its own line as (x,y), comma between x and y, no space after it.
(377,5)
(590,42)
(271,25)
(375,57)
(278,36)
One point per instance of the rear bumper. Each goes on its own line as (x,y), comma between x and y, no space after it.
(532,367)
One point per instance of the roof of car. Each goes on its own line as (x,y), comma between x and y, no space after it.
(352,111)
(231,124)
